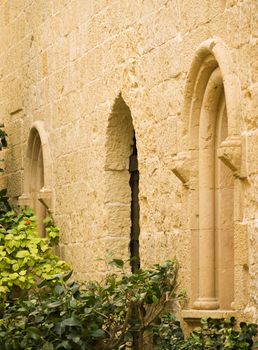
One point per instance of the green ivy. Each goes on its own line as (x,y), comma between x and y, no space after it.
(212,334)
(167,333)
(221,334)
(25,258)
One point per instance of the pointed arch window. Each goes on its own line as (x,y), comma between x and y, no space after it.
(122,183)
(211,166)
(37,180)
(37,175)
(216,200)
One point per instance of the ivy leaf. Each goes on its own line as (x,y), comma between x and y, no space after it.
(64,345)
(55,304)
(98,333)
(16,267)
(59,289)
(48,346)
(117,263)
(22,272)
(22,254)
(67,276)
(22,279)
(33,332)
(71,322)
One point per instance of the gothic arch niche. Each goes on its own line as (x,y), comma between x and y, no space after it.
(216,200)
(122,182)
(37,175)
(210,165)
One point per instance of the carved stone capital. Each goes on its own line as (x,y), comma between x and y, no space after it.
(24,200)
(230,152)
(45,197)
(181,167)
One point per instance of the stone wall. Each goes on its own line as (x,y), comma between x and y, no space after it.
(65,63)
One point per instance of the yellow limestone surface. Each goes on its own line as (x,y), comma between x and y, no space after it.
(92,71)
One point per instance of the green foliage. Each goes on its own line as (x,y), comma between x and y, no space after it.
(221,334)
(213,334)
(25,258)
(64,319)
(133,302)
(110,314)
(52,231)
(93,316)
(167,334)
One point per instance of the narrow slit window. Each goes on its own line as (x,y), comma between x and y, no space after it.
(135,209)
(122,183)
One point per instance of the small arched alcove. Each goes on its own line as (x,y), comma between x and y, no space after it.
(122,182)
(210,166)
(37,192)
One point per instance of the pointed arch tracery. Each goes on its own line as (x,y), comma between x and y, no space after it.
(37,192)
(208,165)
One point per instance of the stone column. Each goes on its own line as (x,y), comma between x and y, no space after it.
(207,298)
(206,265)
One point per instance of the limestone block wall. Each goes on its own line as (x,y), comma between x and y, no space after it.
(66,62)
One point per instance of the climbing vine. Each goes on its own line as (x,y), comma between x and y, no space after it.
(25,258)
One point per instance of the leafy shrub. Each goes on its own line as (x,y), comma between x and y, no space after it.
(25,258)
(110,314)
(221,334)
(94,316)
(213,334)
(168,334)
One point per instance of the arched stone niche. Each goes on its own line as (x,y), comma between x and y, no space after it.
(211,165)
(121,176)
(37,192)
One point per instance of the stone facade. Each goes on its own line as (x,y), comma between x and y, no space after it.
(79,77)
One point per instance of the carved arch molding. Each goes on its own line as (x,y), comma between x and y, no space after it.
(210,164)
(37,190)
(210,55)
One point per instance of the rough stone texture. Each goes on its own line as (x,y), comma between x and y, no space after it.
(65,62)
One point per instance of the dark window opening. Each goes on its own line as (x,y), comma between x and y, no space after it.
(135,209)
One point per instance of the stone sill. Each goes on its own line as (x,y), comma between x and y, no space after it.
(193,315)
